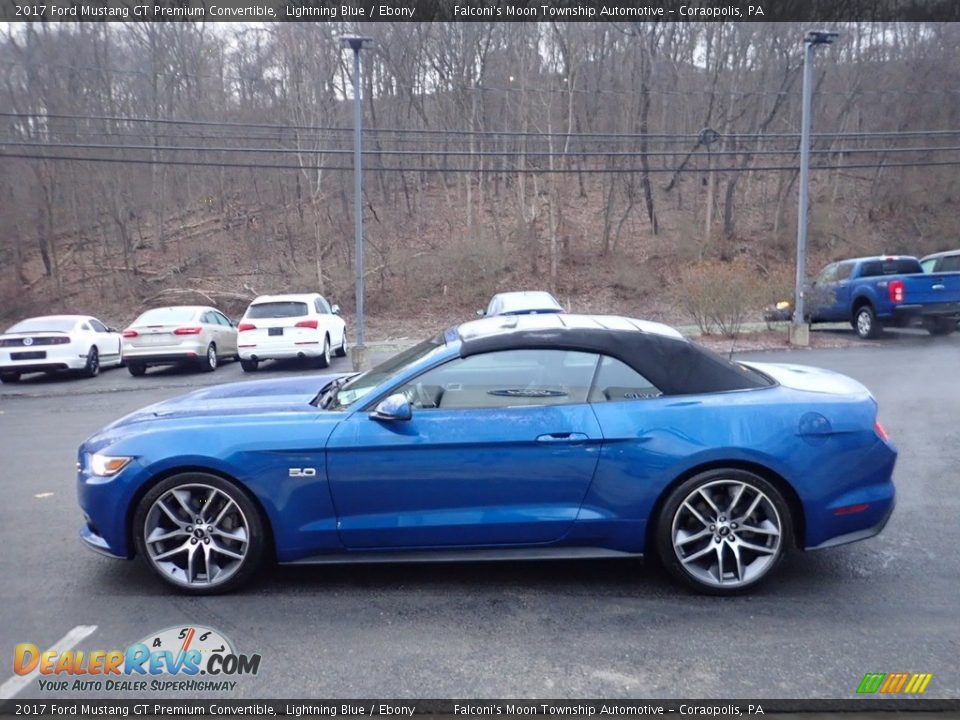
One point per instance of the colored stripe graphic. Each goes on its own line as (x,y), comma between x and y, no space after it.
(894,683)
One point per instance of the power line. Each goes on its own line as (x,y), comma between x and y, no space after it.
(479,153)
(496,133)
(399,168)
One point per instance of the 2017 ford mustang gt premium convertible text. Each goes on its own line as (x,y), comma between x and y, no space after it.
(537,436)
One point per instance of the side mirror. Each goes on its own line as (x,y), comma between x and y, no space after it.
(481,313)
(112,329)
(335,309)
(395,407)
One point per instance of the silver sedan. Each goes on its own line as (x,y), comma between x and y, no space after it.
(183,334)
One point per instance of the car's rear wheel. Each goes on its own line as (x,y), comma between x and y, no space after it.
(324,360)
(866,324)
(209,361)
(342,350)
(136,369)
(723,531)
(200,533)
(92,368)
(249,365)
(9,377)
(940,326)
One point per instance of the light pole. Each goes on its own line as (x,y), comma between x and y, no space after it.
(800,331)
(357,43)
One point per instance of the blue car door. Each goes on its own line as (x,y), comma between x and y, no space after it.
(501,449)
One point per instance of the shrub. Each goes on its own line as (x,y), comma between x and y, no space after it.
(719,296)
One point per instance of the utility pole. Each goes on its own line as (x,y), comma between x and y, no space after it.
(356,43)
(800,329)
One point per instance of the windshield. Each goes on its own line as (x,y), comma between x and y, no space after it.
(161,316)
(277,309)
(359,386)
(43,325)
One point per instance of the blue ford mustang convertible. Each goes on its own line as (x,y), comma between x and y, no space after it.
(538,436)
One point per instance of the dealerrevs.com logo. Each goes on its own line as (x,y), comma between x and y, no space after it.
(898,683)
(187,659)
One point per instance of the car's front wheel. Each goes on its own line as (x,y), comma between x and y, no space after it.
(136,369)
(249,365)
(723,531)
(209,361)
(200,533)
(940,326)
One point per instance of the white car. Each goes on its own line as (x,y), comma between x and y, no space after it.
(58,342)
(282,327)
(523,302)
(196,335)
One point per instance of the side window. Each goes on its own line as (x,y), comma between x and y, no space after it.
(85,326)
(844,271)
(828,274)
(508,378)
(222,319)
(98,326)
(927,265)
(208,319)
(616,381)
(950,263)
(322,306)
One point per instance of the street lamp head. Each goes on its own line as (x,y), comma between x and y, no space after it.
(821,37)
(355,42)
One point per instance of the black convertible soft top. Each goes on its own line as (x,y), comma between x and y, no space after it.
(672,363)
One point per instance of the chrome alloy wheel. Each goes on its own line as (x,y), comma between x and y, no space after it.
(196,535)
(864,323)
(727,533)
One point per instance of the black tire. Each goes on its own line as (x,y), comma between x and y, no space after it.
(249,365)
(257,535)
(865,323)
(208,363)
(92,368)
(10,377)
(342,350)
(324,360)
(940,326)
(136,369)
(730,544)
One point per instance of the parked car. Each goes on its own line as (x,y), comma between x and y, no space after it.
(524,302)
(283,327)
(872,292)
(948,261)
(539,436)
(53,343)
(196,335)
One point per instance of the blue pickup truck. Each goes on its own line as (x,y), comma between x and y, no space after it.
(871,292)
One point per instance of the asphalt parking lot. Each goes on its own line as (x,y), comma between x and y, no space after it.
(560,629)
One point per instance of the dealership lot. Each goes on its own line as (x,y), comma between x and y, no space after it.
(561,629)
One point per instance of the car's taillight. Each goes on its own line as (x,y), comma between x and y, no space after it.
(246,326)
(188,331)
(130,333)
(307,323)
(880,431)
(895,288)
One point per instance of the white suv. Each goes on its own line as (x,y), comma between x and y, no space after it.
(278,327)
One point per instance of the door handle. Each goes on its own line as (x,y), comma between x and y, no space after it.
(939,286)
(562,437)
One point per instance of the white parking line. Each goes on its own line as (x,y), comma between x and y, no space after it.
(18,682)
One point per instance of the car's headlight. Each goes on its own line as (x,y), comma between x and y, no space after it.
(107,465)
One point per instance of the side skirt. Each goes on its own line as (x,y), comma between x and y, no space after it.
(462,555)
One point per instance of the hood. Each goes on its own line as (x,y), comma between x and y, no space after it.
(811,379)
(240,398)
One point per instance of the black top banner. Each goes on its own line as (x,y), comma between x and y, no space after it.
(819,11)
